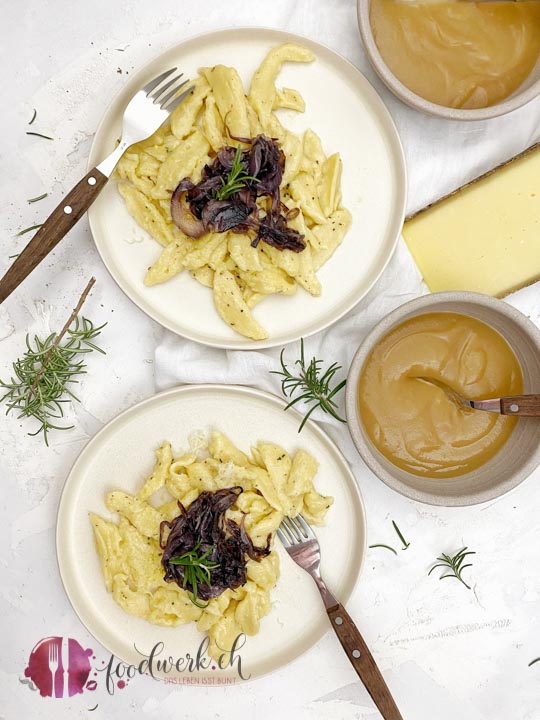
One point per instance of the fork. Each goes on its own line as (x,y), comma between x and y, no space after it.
(147,110)
(302,545)
(53,665)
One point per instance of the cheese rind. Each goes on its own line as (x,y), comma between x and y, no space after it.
(485,237)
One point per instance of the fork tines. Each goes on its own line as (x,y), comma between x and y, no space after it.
(294,530)
(166,95)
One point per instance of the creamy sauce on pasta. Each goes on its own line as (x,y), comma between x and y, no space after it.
(414,424)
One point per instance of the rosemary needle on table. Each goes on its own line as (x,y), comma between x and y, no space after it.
(400,536)
(313,383)
(41,378)
(381,545)
(28,229)
(41,135)
(38,198)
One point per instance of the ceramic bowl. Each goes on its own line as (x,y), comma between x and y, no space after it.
(518,457)
(524,94)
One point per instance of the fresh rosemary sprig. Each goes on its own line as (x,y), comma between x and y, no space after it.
(39,386)
(314,384)
(236,180)
(454,564)
(400,536)
(196,570)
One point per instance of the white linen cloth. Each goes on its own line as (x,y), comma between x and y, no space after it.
(441,155)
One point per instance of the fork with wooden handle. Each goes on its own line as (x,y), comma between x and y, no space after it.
(147,110)
(300,542)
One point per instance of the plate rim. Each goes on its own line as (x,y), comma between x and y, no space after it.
(216,387)
(398,155)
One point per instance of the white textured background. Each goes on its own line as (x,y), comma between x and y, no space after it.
(448,654)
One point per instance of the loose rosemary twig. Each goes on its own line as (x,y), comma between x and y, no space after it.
(454,564)
(313,383)
(39,386)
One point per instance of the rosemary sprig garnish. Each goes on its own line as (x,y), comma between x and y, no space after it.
(39,386)
(400,536)
(38,198)
(28,229)
(36,134)
(381,545)
(196,570)
(454,565)
(236,180)
(314,384)
(34,116)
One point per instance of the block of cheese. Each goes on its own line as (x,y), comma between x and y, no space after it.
(484,237)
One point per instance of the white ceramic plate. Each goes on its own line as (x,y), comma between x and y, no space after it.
(121,455)
(349,116)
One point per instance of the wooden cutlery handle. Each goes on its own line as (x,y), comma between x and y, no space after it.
(524,405)
(363,662)
(62,219)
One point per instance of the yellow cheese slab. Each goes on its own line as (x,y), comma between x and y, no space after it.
(486,236)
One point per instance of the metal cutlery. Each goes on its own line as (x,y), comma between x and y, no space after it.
(523,405)
(300,542)
(53,665)
(147,110)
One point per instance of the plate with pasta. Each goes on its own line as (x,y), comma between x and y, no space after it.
(267,206)
(166,531)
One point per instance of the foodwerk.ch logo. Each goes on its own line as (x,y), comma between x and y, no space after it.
(59,667)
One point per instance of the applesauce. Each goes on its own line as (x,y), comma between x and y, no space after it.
(458,54)
(413,423)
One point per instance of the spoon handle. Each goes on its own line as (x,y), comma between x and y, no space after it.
(525,405)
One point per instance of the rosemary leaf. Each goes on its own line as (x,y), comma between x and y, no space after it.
(34,116)
(28,229)
(36,134)
(381,545)
(400,536)
(313,383)
(38,198)
(534,661)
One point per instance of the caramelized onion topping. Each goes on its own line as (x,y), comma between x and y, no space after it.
(229,544)
(197,209)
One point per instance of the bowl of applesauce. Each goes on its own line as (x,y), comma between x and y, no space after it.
(410,433)
(454,59)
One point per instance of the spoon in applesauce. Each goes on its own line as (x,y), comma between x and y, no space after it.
(523,405)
